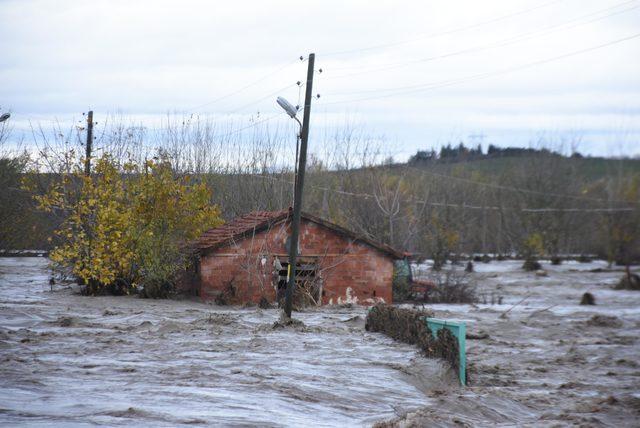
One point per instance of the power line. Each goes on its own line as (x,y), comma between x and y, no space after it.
(503,42)
(255,123)
(514,189)
(221,136)
(451,205)
(444,32)
(277,91)
(430,86)
(253,83)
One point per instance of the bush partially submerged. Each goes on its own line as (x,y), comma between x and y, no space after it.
(588,299)
(629,281)
(227,295)
(532,249)
(531,265)
(556,260)
(451,286)
(126,227)
(264,303)
(401,281)
(410,326)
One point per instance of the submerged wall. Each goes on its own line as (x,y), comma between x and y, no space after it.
(350,272)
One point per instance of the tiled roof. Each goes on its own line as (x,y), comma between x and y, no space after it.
(258,220)
(238,227)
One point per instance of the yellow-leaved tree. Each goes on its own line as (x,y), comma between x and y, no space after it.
(532,248)
(443,238)
(167,213)
(127,228)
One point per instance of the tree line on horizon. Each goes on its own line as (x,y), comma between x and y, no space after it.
(460,152)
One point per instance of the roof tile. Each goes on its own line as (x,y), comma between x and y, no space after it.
(259,220)
(238,226)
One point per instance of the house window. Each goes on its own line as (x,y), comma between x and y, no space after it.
(308,283)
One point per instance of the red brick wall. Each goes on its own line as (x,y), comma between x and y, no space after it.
(351,272)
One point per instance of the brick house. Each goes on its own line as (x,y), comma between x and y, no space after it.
(246,260)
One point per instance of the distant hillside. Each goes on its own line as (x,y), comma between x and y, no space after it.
(441,205)
(504,161)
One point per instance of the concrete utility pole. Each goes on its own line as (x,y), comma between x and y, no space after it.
(299,184)
(87,160)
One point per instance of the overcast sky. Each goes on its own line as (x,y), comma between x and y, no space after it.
(419,73)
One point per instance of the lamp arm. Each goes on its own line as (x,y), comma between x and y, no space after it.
(299,123)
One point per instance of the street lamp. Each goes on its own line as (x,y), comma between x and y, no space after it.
(299,180)
(289,108)
(5,117)
(292,112)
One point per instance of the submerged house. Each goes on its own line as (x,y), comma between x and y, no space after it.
(246,260)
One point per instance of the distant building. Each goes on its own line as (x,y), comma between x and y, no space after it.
(246,260)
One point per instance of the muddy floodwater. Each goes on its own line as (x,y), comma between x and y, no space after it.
(540,358)
(69,360)
(536,359)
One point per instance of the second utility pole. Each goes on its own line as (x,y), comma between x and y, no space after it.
(87,159)
(299,184)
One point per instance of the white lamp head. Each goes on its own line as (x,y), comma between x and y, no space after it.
(286,106)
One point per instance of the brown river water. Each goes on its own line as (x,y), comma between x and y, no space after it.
(69,360)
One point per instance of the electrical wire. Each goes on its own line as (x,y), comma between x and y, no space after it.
(255,123)
(500,43)
(430,86)
(222,136)
(253,83)
(451,205)
(444,32)
(516,189)
(277,91)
